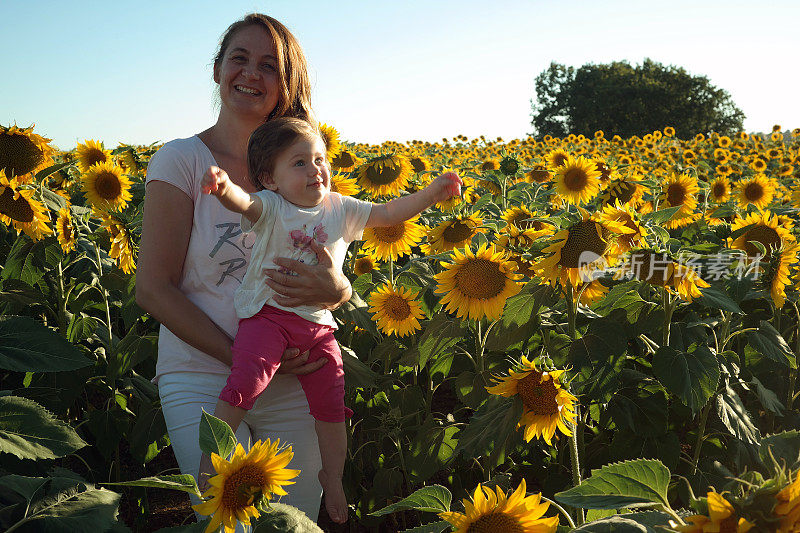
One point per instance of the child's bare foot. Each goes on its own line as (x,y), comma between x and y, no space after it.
(335,500)
(206,472)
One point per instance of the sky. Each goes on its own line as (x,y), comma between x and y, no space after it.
(140,72)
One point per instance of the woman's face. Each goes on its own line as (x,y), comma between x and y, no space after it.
(247,73)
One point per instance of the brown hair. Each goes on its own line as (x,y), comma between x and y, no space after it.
(269,140)
(295,97)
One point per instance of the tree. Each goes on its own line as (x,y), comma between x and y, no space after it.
(630,100)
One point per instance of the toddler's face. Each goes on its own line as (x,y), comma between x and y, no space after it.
(302,173)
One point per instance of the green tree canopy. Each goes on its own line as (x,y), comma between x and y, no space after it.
(630,100)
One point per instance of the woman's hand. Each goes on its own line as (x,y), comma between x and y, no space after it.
(294,362)
(321,285)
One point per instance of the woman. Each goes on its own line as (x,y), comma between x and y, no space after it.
(193,256)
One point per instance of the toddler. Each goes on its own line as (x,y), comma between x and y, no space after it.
(293,207)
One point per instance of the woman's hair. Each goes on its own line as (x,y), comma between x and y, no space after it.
(295,97)
(268,142)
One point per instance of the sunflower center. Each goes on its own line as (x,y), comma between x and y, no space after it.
(729,525)
(537,395)
(93,156)
(396,307)
(363,265)
(390,234)
(107,186)
(623,193)
(242,486)
(676,194)
(652,268)
(480,279)
(521,221)
(66,229)
(575,179)
(418,164)
(456,232)
(584,245)
(494,522)
(753,192)
(383,173)
(719,190)
(558,160)
(344,159)
(539,175)
(767,236)
(19,209)
(18,154)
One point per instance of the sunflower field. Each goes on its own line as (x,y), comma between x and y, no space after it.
(599,334)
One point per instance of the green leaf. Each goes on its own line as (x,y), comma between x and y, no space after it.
(519,320)
(29,431)
(431,448)
(23,262)
(433,527)
(627,445)
(28,346)
(692,377)
(638,483)
(767,341)
(640,410)
(612,524)
(715,296)
(439,337)
(81,327)
(282,518)
(182,482)
(433,499)
(356,373)
(216,436)
(65,505)
(734,416)
(490,427)
(769,400)
(661,216)
(149,434)
(130,351)
(784,447)
(599,357)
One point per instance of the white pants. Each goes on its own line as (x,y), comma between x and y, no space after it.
(281,412)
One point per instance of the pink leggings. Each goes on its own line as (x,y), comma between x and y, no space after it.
(257,351)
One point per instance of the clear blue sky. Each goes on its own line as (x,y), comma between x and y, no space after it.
(140,72)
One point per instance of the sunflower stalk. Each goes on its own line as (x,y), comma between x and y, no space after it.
(560,510)
(574,455)
(790,395)
(105,293)
(62,303)
(669,308)
(701,429)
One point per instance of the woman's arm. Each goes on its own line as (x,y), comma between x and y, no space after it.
(166,229)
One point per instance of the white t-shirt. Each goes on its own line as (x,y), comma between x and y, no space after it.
(216,258)
(285,230)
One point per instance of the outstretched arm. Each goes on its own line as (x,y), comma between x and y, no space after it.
(445,186)
(233,198)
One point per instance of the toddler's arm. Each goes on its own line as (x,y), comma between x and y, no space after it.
(405,207)
(234,198)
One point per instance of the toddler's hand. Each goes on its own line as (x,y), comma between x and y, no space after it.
(215,181)
(446,186)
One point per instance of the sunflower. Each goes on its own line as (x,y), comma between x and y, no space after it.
(419,164)
(628,190)
(235,490)
(509,166)
(343,184)
(393,242)
(538,175)
(721,517)
(519,230)
(757,191)
(66,230)
(577,180)
(777,275)
(660,270)
(90,153)
(576,251)
(765,228)
(477,284)
(23,152)
(547,405)
(633,233)
(331,138)
(556,158)
(106,187)
(788,507)
(397,310)
(385,174)
(594,292)
(491,512)
(345,161)
(455,232)
(680,190)
(364,263)
(122,243)
(720,190)
(20,209)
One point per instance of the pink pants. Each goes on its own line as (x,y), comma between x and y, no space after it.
(257,351)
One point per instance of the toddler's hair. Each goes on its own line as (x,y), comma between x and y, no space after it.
(269,140)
